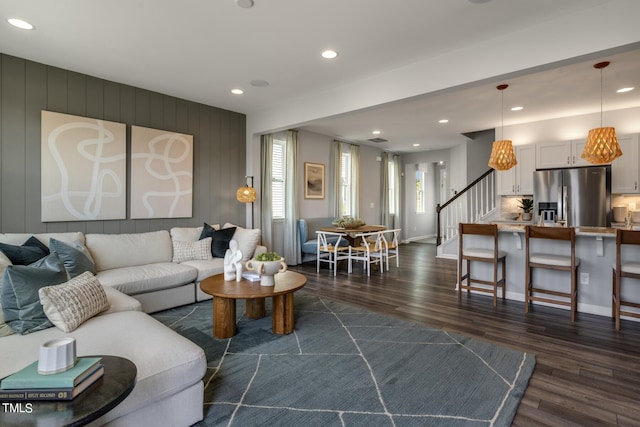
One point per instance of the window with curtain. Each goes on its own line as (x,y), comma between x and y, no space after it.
(345,179)
(392,187)
(420,196)
(278,173)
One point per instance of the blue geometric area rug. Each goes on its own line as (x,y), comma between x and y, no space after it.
(344,366)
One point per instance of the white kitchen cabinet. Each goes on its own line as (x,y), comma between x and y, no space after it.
(625,175)
(577,147)
(556,154)
(519,179)
(560,154)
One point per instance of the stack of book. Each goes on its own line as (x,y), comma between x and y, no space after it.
(28,384)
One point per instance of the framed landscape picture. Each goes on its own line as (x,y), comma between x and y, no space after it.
(313,180)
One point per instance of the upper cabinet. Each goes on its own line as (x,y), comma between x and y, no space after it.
(519,179)
(624,169)
(577,147)
(560,154)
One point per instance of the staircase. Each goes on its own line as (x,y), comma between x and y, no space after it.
(472,204)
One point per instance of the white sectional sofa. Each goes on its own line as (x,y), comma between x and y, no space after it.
(138,277)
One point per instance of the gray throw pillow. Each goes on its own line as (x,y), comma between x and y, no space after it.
(74,255)
(30,251)
(21,305)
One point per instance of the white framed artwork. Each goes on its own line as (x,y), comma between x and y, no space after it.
(161,174)
(83,168)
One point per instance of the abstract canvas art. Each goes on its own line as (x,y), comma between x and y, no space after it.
(83,168)
(161,174)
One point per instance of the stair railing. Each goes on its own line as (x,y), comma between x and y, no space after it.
(472,203)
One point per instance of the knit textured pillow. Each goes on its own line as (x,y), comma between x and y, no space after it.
(187,251)
(70,304)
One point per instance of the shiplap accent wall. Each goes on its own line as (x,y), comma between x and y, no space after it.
(27,87)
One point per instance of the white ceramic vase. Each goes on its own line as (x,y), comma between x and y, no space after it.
(267,269)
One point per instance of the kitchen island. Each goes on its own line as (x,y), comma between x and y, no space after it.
(596,248)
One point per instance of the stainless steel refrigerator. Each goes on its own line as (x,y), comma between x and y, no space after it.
(578,196)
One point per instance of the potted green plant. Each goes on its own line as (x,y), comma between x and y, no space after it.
(267,264)
(348,222)
(527,206)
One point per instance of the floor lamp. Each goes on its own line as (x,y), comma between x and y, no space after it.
(247,194)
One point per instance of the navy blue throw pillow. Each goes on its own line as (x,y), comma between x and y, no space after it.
(31,251)
(219,239)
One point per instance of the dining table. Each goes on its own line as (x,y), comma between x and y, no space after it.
(351,233)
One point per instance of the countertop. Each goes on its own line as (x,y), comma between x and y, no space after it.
(580,231)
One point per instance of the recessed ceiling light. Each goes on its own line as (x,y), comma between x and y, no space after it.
(625,89)
(443,121)
(19,23)
(259,83)
(376,132)
(416,145)
(245,3)
(329,54)
(237,91)
(517,108)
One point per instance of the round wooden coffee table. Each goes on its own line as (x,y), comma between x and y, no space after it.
(225,294)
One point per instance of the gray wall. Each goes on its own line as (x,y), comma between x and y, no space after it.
(27,87)
(478,150)
(415,225)
(316,148)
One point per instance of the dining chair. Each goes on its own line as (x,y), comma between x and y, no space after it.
(391,240)
(551,261)
(625,267)
(331,248)
(369,249)
(478,251)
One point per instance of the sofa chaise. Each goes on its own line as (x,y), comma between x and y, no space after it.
(139,274)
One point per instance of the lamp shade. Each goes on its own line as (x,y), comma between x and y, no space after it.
(602,146)
(502,155)
(246,194)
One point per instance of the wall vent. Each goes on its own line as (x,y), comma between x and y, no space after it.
(378,140)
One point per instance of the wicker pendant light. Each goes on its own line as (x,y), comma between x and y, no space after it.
(502,155)
(602,143)
(247,194)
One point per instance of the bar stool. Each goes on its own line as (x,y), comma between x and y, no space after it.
(622,269)
(552,262)
(469,254)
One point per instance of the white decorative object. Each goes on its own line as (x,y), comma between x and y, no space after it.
(238,271)
(57,355)
(232,262)
(267,269)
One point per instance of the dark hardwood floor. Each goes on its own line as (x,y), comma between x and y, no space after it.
(587,374)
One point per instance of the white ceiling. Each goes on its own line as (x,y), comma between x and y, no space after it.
(200,49)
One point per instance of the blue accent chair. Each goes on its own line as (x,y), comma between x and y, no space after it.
(307,228)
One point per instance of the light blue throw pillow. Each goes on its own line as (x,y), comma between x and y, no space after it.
(21,305)
(74,255)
